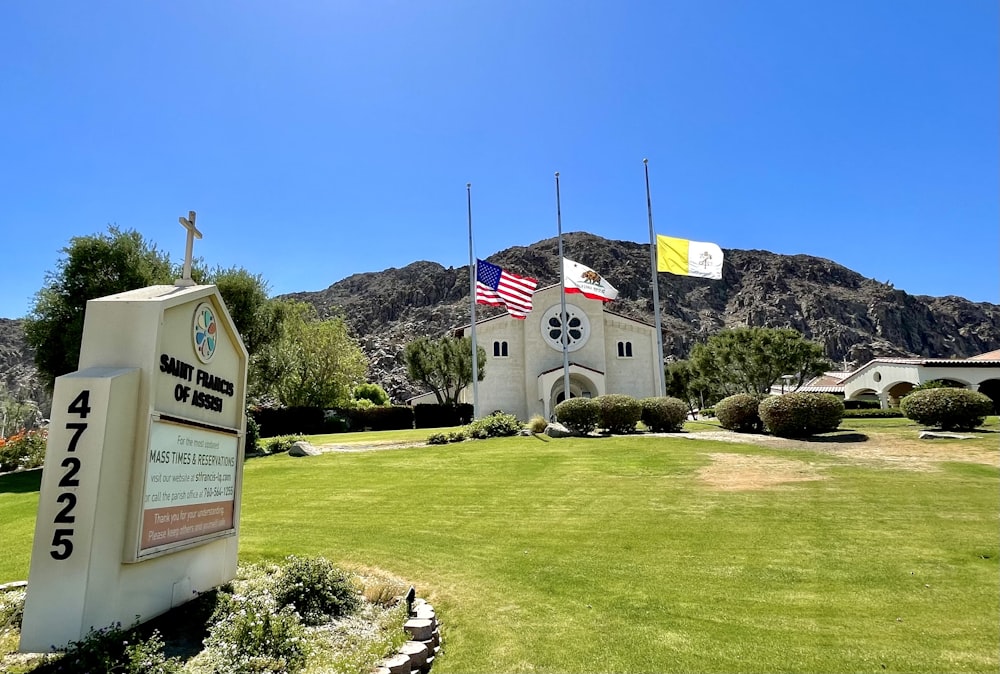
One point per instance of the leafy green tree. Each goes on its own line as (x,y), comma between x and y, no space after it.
(751,360)
(686,383)
(119,260)
(443,365)
(92,266)
(314,363)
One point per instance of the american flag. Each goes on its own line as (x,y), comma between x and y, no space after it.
(498,288)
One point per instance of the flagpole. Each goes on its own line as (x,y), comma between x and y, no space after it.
(562,295)
(472,302)
(656,286)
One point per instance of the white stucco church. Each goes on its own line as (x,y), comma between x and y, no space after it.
(608,353)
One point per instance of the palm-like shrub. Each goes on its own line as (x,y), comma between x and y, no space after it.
(580,415)
(663,414)
(739,413)
(947,408)
(619,413)
(799,415)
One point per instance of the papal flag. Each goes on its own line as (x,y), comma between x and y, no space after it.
(584,280)
(688,258)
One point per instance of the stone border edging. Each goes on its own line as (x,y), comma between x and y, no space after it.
(417,654)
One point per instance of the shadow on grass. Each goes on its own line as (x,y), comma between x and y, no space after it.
(21,482)
(840,438)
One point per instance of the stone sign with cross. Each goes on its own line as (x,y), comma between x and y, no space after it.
(139,503)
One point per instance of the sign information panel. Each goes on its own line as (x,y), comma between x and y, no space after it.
(190,488)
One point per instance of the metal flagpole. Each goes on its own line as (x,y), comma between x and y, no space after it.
(564,319)
(656,286)
(472,301)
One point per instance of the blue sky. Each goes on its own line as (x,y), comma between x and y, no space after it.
(321,139)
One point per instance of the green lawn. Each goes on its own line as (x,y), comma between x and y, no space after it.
(613,554)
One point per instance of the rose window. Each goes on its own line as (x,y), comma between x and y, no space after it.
(576,324)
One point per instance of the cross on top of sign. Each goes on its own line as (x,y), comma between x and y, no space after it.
(192,234)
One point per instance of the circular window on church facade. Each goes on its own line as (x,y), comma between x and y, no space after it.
(577,327)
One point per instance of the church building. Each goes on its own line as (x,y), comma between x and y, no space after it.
(608,353)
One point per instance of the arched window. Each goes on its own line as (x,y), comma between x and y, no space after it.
(500,350)
(624,349)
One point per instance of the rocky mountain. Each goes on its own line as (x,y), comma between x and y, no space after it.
(18,376)
(854,317)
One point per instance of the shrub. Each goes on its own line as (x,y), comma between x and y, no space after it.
(861,405)
(437,439)
(252,436)
(251,635)
(290,420)
(708,412)
(739,413)
(336,421)
(457,436)
(619,413)
(315,588)
(866,413)
(428,415)
(537,424)
(497,425)
(580,415)
(279,444)
(385,418)
(947,408)
(663,414)
(22,450)
(798,415)
(113,649)
(373,393)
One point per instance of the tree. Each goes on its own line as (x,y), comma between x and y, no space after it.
(104,264)
(443,365)
(751,360)
(314,363)
(93,266)
(684,382)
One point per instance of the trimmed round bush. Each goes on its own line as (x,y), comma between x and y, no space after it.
(739,413)
(316,589)
(580,415)
(663,414)
(947,408)
(619,413)
(799,415)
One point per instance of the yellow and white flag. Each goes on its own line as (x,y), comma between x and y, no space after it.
(688,258)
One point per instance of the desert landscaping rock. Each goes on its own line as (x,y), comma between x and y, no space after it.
(303,448)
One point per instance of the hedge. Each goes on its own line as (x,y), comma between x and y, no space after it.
(799,415)
(380,418)
(619,413)
(739,413)
(947,408)
(664,414)
(432,415)
(580,415)
(890,413)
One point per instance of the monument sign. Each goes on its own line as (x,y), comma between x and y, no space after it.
(140,495)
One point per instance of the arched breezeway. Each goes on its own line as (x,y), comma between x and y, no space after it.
(583,383)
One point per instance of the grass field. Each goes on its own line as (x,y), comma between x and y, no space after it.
(652,554)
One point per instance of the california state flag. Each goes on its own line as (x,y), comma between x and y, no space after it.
(587,282)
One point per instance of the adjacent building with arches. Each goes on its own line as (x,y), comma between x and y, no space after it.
(889,379)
